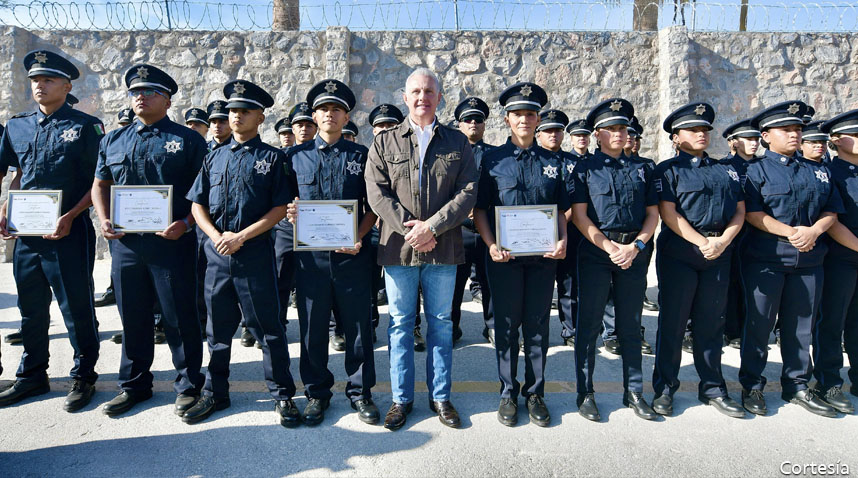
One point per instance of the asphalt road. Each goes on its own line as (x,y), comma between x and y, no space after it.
(37,438)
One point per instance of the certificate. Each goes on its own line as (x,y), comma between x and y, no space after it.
(326,225)
(33,212)
(526,230)
(141,208)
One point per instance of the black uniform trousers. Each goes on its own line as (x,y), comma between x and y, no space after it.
(328,280)
(838,318)
(64,266)
(690,286)
(791,294)
(521,297)
(567,284)
(285,260)
(599,279)
(146,269)
(245,283)
(202,262)
(734,314)
(475,257)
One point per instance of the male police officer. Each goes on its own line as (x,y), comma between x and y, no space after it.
(218,124)
(148,267)
(198,120)
(284,133)
(54,147)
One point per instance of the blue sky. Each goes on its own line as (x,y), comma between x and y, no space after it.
(536,15)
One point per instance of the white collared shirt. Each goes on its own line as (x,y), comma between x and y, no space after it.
(423,137)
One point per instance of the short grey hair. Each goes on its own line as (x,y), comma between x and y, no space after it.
(423,71)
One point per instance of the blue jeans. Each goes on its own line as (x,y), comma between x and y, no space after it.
(438,283)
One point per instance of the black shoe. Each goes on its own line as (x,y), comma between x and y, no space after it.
(367,411)
(569,341)
(650,305)
(508,412)
(160,335)
(290,417)
(735,343)
(837,399)
(754,402)
(184,402)
(124,401)
(778,340)
(105,299)
(636,402)
(338,342)
(293,300)
(14,338)
(688,344)
(810,402)
(489,335)
(663,405)
(395,418)
(20,390)
(555,304)
(457,334)
(587,407)
(314,412)
(80,395)
(538,411)
(116,338)
(612,346)
(204,407)
(247,339)
(725,405)
(477,296)
(646,348)
(381,298)
(446,412)
(419,341)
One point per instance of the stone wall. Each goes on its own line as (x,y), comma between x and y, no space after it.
(657,71)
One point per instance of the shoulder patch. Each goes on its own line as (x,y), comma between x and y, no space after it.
(99,129)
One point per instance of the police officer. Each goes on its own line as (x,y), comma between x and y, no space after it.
(615,208)
(350,132)
(701,204)
(198,120)
(814,142)
(521,173)
(54,147)
(385,116)
(549,132)
(72,99)
(148,267)
(218,124)
(284,133)
(331,168)
(301,119)
(838,315)
(790,202)
(743,141)
(471,114)
(240,193)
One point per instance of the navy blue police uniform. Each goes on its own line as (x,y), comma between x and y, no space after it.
(706,193)
(147,268)
(617,192)
(474,267)
(838,315)
(521,288)
(780,281)
(56,151)
(238,184)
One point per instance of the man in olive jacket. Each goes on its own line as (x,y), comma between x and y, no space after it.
(422,182)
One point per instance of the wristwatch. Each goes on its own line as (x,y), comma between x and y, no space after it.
(434,232)
(640,245)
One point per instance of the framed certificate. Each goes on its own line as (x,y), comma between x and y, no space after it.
(141,208)
(33,212)
(526,230)
(326,225)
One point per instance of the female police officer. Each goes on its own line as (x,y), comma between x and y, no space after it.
(521,173)
(615,208)
(701,203)
(790,202)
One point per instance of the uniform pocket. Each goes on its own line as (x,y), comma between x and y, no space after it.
(689,186)
(771,189)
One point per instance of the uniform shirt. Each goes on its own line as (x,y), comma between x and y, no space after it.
(616,191)
(640,159)
(844,175)
(706,192)
(240,183)
(512,176)
(739,164)
(161,153)
(479,148)
(213,144)
(53,152)
(330,171)
(571,160)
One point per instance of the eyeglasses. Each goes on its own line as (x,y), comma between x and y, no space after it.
(473,119)
(145,92)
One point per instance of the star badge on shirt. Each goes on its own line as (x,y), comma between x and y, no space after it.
(70,135)
(262,167)
(641,174)
(570,167)
(353,167)
(822,176)
(173,146)
(733,175)
(550,171)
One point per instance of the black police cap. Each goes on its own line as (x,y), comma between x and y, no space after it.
(523,96)
(844,123)
(471,106)
(197,115)
(331,91)
(741,129)
(552,119)
(48,63)
(283,126)
(301,112)
(125,116)
(148,76)
(578,127)
(689,116)
(217,109)
(385,113)
(613,111)
(350,128)
(242,94)
(782,114)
